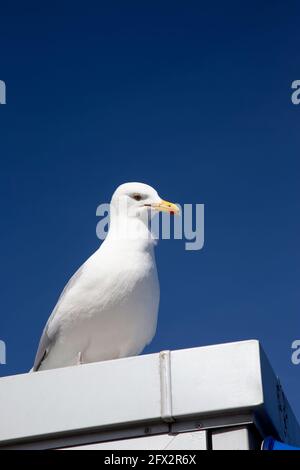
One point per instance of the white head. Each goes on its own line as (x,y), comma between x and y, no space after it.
(140,198)
(132,205)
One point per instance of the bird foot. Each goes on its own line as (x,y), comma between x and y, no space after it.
(79,359)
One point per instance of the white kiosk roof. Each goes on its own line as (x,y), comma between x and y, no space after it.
(207,389)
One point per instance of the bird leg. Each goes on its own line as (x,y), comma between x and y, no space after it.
(79,359)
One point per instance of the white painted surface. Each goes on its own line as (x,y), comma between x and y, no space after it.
(197,385)
(216,378)
(80,397)
(234,439)
(185,441)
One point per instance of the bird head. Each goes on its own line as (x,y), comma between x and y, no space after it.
(140,200)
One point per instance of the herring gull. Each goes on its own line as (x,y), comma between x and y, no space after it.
(108,309)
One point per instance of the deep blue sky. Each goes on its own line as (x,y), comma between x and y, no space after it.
(189,97)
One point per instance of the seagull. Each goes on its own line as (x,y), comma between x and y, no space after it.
(108,309)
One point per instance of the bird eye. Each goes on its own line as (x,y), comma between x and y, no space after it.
(137,197)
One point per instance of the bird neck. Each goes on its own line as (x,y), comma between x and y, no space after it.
(132,231)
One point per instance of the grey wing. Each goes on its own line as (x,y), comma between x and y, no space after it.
(46,339)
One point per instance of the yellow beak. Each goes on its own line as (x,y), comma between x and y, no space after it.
(166,206)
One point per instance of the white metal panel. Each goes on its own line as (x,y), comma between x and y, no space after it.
(89,438)
(201,386)
(231,439)
(80,397)
(216,379)
(184,441)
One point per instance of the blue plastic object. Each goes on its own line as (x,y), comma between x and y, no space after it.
(271,444)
